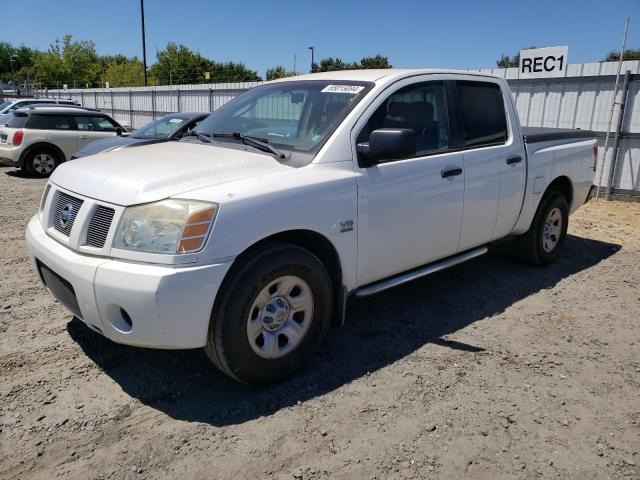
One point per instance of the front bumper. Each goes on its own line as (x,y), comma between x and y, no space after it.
(133,303)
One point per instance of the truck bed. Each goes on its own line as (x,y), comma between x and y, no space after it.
(541,134)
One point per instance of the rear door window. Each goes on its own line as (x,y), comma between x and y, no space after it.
(51,122)
(483,115)
(95,123)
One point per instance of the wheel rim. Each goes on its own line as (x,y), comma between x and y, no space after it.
(552,230)
(280,317)
(43,163)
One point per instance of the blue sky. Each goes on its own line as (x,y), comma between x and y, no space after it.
(417,33)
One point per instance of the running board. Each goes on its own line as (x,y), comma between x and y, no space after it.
(422,272)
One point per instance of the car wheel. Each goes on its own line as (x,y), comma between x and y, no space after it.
(542,244)
(41,163)
(272,314)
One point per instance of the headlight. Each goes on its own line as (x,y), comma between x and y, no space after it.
(169,226)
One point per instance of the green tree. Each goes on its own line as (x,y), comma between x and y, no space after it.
(631,54)
(70,62)
(127,73)
(279,72)
(177,64)
(505,61)
(233,72)
(23,58)
(332,64)
(375,62)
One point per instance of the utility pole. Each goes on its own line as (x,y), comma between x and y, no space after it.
(613,107)
(312,61)
(13,73)
(144,46)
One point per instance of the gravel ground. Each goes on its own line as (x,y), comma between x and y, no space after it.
(489,370)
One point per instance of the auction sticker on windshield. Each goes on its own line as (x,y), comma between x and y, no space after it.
(351,89)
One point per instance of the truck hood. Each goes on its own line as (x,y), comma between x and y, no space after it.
(154,172)
(111,143)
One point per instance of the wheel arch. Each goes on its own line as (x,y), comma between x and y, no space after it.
(44,146)
(563,185)
(316,243)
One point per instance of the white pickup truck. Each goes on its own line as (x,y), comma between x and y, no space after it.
(247,237)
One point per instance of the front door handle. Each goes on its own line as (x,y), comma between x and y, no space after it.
(451,172)
(514,160)
(83,137)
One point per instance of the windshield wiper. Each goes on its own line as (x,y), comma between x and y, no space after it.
(203,137)
(259,143)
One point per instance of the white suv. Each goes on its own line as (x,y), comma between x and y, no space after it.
(37,140)
(11,105)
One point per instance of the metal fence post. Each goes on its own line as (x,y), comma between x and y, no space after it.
(616,138)
(113,113)
(82,97)
(153,104)
(178,99)
(211,100)
(95,99)
(130,111)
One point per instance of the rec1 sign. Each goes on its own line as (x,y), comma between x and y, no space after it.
(543,62)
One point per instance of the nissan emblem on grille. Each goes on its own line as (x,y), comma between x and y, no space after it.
(66,214)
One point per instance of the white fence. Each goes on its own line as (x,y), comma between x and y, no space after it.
(581,99)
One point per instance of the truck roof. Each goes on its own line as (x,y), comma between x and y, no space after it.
(375,75)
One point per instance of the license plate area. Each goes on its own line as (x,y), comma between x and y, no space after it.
(61,289)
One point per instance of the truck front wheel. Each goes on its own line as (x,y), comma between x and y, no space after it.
(272,315)
(542,244)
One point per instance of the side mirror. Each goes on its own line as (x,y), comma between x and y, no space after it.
(387,144)
(119,131)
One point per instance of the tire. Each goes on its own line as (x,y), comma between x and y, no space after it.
(542,244)
(41,162)
(272,314)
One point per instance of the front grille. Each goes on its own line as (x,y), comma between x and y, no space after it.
(71,205)
(61,289)
(45,195)
(99,226)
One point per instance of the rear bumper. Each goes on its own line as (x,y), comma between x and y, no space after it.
(10,162)
(132,303)
(10,155)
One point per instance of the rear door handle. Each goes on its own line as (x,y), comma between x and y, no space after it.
(514,160)
(83,137)
(451,172)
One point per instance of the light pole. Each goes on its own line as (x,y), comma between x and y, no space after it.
(144,47)
(312,61)
(13,73)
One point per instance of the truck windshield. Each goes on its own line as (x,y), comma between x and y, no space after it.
(291,115)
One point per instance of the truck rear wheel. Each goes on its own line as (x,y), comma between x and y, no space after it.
(273,313)
(542,244)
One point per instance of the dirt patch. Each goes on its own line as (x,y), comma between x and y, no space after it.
(489,370)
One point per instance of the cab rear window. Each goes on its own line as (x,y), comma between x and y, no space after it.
(50,122)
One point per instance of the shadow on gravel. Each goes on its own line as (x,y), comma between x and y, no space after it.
(17,173)
(379,331)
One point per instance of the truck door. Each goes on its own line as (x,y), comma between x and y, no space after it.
(409,210)
(493,162)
